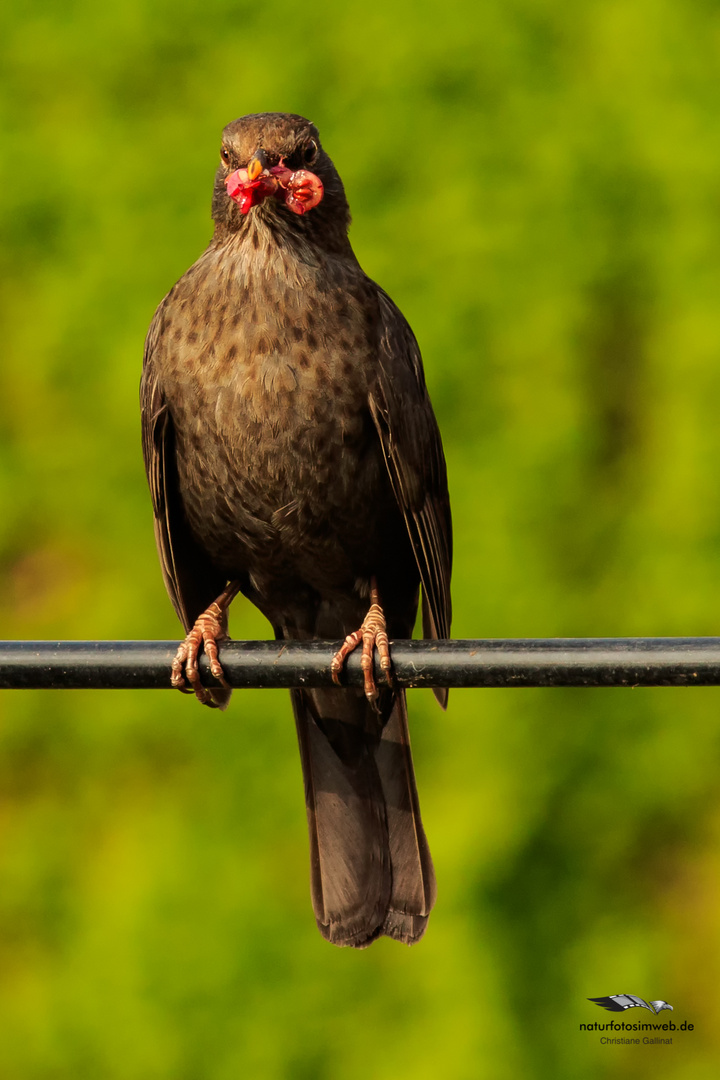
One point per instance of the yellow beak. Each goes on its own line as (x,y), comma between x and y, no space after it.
(256,164)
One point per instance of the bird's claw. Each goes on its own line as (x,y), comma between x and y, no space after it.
(372,634)
(206,633)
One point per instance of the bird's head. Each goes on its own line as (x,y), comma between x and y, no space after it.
(273,164)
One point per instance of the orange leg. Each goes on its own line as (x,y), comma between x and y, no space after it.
(372,633)
(209,629)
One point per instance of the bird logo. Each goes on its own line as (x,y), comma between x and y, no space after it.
(621,1002)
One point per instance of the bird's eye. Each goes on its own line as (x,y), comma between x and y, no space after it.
(310,152)
(225,155)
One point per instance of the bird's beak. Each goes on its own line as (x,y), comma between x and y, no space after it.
(300,190)
(257,164)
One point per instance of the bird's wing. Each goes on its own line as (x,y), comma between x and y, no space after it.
(190,579)
(413,453)
(638,1001)
(610,1003)
(620,1002)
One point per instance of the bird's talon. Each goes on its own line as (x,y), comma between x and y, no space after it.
(220,675)
(372,634)
(177,678)
(207,631)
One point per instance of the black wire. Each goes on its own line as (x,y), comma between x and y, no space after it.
(515,662)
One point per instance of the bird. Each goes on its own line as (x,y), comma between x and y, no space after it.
(293,457)
(621,1002)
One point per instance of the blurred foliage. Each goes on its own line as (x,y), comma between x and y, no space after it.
(537,184)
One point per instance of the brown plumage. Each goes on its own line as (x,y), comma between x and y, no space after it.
(293,455)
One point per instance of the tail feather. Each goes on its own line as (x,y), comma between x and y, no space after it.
(371,871)
(413,877)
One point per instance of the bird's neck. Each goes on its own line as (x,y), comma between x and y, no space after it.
(266,229)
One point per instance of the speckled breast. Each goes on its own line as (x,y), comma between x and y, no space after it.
(267,375)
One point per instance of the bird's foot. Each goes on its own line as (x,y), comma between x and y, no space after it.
(209,630)
(372,634)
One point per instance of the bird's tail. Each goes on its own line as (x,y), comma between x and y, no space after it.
(370,866)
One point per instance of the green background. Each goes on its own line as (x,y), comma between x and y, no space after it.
(537,184)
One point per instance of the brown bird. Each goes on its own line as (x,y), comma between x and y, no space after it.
(293,456)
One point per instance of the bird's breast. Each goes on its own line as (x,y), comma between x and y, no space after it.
(270,408)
